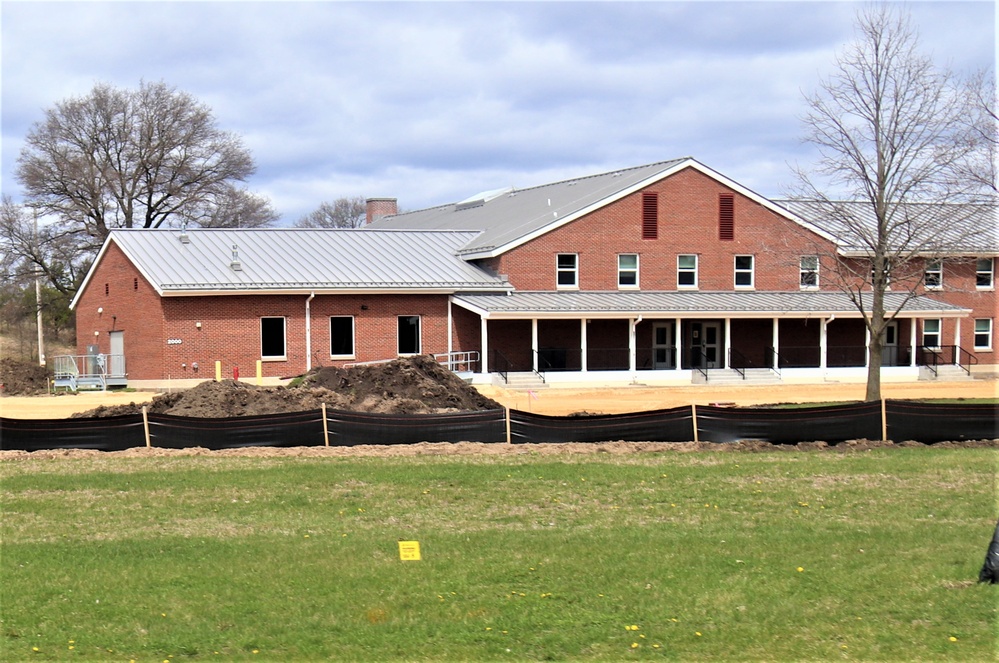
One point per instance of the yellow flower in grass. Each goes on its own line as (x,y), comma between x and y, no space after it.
(634,645)
(800,569)
(952,639)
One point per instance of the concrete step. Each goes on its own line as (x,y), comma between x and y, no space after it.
(753,376)
(945,373)
(521,382)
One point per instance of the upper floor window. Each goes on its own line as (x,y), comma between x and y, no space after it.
(985,273)
(409,335)
(686,271)
(744,271)
(342,336)
(931,333)
(567,270)
(627,270)
(272,338)
(726,216)
(650,216)
(808,270)
(933,276)
(983,334)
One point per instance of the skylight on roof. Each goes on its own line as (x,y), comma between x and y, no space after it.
(482,198)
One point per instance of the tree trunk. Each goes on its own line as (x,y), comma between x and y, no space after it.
(875,348)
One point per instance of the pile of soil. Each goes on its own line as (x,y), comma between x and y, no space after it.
(416,385)
(23,378)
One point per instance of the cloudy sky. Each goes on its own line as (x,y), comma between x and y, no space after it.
(431,102)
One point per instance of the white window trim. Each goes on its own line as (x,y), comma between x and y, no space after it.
(751,271)
(419,336)
(636,270)
(975,333)
(694,271)
(938,333)
(938,270)
(353,337)
(284,325)
(991,273)
(574,270)
(802,271)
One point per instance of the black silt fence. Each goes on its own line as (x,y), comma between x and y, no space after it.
(789,426)
(347,429)
(294,429)
(673,425)
(940,422)
(107,434)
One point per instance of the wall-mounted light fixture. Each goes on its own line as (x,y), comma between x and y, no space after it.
(198,325)
(97,333)
(364,307)
(100,310)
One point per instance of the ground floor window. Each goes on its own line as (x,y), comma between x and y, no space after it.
(409,335)
(342,336)
(272,338)
(983,334)
(931,333)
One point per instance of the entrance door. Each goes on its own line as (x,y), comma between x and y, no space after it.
(116,360)
(662,346)
(705,344)
(889,353)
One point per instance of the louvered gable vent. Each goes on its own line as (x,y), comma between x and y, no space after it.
(726,216)
(650,216)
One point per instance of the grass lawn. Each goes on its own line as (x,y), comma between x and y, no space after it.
(674,556)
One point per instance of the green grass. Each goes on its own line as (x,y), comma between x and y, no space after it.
(649,556)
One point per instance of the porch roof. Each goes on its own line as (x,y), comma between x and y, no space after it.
(619,304)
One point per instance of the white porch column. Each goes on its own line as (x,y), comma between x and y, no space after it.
(450,331)
(867,346)
(534,343)
(582,344)
(824,344)
(957,339)
(727,345)
(677,354)
(912,342)
(484,332)
(632,345)
(775,340)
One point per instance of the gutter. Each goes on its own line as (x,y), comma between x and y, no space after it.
(308,331)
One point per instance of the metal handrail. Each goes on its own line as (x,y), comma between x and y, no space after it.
(453,360)
(704,356)
(972,359)
(505,370)
(733,354)
(774,360)
(541,370)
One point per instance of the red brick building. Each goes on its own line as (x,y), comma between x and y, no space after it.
(665,273)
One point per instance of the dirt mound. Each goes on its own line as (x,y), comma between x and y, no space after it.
(23,378)
(417,385)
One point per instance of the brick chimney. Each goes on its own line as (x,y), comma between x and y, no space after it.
(376,208)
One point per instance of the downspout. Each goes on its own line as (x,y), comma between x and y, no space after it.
(308,331)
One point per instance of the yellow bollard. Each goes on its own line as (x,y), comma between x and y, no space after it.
(260,372)
(218,371)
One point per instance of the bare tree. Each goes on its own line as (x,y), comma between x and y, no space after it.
(892,135)
(980,168)
(341,213)
(119,158)
(237,208)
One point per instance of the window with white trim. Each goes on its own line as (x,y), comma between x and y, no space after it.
(808,272)
(567,270)
(985,273)
(272,338)
(627,270)
(686,271)
(931,333)
(744,271)
(409,335)
(933,276)
(342,336)
(983,334)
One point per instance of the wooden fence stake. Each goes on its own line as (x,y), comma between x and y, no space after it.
(693,415)
(326,430)
(508,425)
(884,421)
(145,425)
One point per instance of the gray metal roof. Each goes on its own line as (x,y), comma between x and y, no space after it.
(963,229)
(577,304)
(506,216)
(303,260)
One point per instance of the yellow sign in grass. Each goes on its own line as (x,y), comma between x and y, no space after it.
(409,550)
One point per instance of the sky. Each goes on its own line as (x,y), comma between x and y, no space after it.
(433,102)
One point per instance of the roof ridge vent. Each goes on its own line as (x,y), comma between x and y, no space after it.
(235,264)
(480,199)
(184,239)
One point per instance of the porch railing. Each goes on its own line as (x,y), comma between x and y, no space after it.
(935,357)
(500,365)
(459,362)
(701,365)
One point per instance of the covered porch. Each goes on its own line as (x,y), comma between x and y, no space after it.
(684,337)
